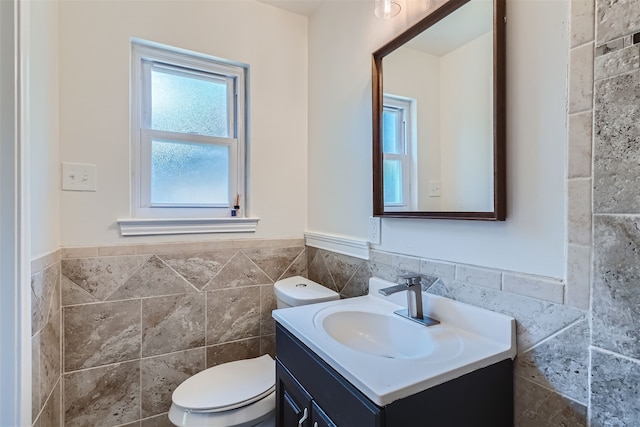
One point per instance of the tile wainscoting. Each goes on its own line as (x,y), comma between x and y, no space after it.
(46,343)
(552,366)
(130,323)
(135,321)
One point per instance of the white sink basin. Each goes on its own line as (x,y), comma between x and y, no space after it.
(388,357)
(386,334)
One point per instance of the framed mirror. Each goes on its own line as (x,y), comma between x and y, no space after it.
(439,116)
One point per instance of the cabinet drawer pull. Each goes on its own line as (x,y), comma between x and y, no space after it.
(305,415)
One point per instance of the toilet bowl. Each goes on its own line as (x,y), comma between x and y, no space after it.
(241,393)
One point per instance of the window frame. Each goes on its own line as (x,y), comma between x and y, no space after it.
(406,132)
(147,55)
(192,220)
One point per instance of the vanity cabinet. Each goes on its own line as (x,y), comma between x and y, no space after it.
(319,418)
(308,389)
(296,407)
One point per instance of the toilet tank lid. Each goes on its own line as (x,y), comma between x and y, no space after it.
(227,386)
(298,290)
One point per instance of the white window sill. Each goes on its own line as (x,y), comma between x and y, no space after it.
(160,226)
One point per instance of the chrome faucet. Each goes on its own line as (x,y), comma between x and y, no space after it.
(413,287)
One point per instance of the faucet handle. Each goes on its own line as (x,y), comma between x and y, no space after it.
(411,279)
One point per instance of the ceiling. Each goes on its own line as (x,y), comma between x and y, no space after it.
(300,7)
(465,24)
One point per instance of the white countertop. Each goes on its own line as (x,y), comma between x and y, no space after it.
(480,338)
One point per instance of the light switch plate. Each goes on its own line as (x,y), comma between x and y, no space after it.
(374,230)
(79,177)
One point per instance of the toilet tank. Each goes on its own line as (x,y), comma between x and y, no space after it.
(298,290)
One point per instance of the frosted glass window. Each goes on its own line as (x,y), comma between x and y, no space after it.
(189,129)
(189,103)
(392,181)
(191,174)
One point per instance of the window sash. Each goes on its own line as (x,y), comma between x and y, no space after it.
(148,135)
(401,109)
(200,66)
(148,66)
(399,139)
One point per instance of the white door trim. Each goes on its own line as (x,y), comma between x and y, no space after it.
(15,268)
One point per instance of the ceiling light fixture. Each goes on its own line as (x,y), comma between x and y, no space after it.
(386,9)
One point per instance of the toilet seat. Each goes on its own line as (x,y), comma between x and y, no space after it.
(257,414)
(227,386)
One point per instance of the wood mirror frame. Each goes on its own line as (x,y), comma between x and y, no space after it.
(499,117)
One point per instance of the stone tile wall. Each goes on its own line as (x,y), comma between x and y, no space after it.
(615,352)
(139,320)
(579,182)
(46,346)
(552,366)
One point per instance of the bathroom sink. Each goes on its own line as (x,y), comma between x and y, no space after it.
(385,334)
(388,357)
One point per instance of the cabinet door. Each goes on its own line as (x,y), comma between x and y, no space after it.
(319,418)
(293,403)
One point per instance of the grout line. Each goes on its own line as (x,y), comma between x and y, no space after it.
(589,373)
(129,276)
(191,285)
(583,112)
(140,367)
(206,326)
(617,215)
(553,390)
(614,354)
(216,273)
(553,335)
(611,77)
(580,111)
(593,223)
(578,46)
(61,348)
(579,178)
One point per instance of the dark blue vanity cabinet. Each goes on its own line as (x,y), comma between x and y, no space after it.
(296,407)
(310,393)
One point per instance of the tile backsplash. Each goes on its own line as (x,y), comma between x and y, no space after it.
(551,369)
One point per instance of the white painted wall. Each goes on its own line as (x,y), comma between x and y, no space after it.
(414,74)
(342,35)
(94,104)
(466,103)
(43,121)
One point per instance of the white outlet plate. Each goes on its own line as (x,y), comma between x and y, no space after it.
(79,177)
(374,230)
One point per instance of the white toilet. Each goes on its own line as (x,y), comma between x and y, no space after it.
(241,393)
